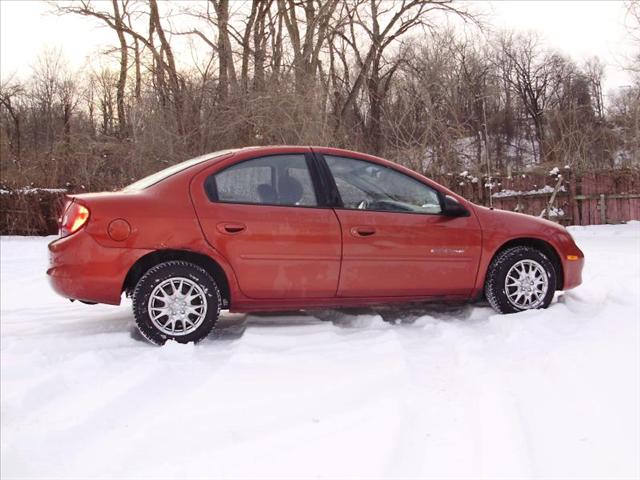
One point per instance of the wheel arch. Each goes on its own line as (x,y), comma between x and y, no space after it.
(543,246)
(151,259)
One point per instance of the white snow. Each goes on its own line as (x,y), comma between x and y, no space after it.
(554,171)
(459,393)
(538,191)
(32,191)
(554,212)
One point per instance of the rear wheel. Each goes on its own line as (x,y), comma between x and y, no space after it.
(520,278)
(176,300)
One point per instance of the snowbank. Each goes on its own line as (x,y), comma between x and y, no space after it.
(32,191)
(458,393)
(539,191)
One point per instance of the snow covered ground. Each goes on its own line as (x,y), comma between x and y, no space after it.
(460,393)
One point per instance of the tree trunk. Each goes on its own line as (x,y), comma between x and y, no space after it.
(375,110)
(122,79)
(170,66)
(540,137)
(226,68)
(259,47)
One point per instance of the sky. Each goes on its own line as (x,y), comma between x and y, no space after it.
(580,29)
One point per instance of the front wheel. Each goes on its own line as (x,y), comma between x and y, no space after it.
(520,278)
(176,300)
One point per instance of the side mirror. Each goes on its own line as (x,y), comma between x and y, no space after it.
(452,208)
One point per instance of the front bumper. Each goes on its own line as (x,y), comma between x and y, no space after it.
(573,273)
(572,260)
(82,269)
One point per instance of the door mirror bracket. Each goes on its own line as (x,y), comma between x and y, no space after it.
(453,208)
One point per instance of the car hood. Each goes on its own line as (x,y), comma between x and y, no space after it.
(515,223)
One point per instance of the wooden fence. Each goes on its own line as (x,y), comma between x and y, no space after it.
(611,196)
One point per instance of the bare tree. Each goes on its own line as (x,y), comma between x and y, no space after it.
(380,76)
(633,27)
(594,72)
(11,93)
(115,20)
(383,23)
(307,43)
(533,73)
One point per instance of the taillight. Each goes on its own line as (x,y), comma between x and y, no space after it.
(74,217)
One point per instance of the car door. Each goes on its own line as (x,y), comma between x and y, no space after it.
(265,216)
(396,241)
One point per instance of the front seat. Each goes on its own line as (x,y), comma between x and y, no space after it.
(267,193)
(290,190)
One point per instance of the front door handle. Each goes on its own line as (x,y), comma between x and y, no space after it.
(231,228)
(363,231)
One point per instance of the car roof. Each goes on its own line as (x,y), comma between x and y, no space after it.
(275,149)
(247,152)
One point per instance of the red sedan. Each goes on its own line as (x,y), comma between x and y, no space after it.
(288,228)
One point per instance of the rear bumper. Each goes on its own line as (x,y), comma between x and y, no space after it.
(82,269)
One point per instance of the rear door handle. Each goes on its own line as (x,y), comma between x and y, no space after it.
(231,228)
(363,231)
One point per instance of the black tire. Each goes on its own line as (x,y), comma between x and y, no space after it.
(162,272)
(495,289)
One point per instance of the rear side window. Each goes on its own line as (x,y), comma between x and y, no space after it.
(273,180)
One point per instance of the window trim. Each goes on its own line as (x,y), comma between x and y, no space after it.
(332,194)
(313,169)
(339,205)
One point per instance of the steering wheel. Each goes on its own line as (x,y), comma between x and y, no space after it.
(363,205)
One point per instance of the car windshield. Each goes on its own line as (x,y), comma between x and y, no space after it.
(173,169)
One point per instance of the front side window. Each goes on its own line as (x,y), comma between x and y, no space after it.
(273,180)
(369,186)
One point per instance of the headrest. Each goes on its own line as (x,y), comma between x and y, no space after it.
(290,190)
(267,193)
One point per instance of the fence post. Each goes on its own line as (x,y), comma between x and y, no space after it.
(547,211)
(603,209)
